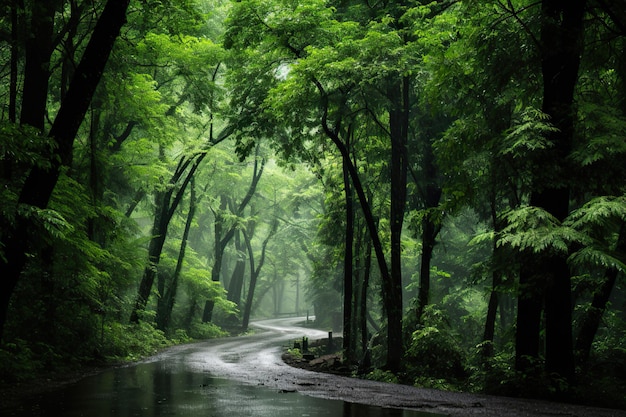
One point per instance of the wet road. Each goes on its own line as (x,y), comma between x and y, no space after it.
(244,376)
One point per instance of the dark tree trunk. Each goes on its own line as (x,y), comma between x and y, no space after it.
(254,273)
(392,289)
(590,322)
(561,34)
(396,326)
(155,248)
(37,65)
(221,242)
(561,38)
(166,205)
(166,303)
(363,297)
(431,227)
(529,307)
(348,333)
(496,281)
(236,280)
(40,183)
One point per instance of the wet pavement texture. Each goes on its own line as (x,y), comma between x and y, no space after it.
(245,376)
(159,389)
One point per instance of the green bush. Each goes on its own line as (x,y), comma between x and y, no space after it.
(382,376)
(17,362)
(435,355)
(132,341)
(201,331)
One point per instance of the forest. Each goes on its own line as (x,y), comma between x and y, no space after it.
(441,182)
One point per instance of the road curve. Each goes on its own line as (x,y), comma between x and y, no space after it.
(256,359)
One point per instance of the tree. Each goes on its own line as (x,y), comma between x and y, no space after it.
(222,239)
(41,181)
(561,40)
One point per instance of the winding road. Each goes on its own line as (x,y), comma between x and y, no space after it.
(255,359)
(246,377)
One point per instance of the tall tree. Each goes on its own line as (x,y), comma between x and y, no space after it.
(562,41)
(41,181)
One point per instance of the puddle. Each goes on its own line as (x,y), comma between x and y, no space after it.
(160,389)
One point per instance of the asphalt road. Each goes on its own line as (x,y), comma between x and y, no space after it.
(255,359)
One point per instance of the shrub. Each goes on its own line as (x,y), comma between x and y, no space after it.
(382,376)
(435,355)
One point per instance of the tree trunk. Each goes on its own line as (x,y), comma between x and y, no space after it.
(166,205)
(529,306)
(37,65)
(561,34)
(430,226)
(591,320)
(166,303)
(155,248)
(236,280)
(364,289)
(398,127)
(254,273)
(221,242)
(348,270)
(496,279)
(561,38)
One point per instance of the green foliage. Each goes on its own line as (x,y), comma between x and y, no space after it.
(528,134)
(24,146)
(295,352)
(382,376)
(434,353)
(18,362)
(534,229)
(131,341)
(203,331)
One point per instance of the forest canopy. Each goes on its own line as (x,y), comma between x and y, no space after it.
(440,181)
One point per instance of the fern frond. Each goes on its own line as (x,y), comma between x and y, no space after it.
(600,258)
(528,134)
(533,228)
(598,212)
(51,220)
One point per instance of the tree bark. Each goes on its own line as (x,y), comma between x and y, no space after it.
(235,286)
(393,354)
(430,226)
(254,273)
(398,128)
(166,303)
(37,65)
(166,205)
(348,333)
(561,34)
(496,279)
(590,322)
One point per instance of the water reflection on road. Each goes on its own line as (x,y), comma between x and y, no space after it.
(167,389)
